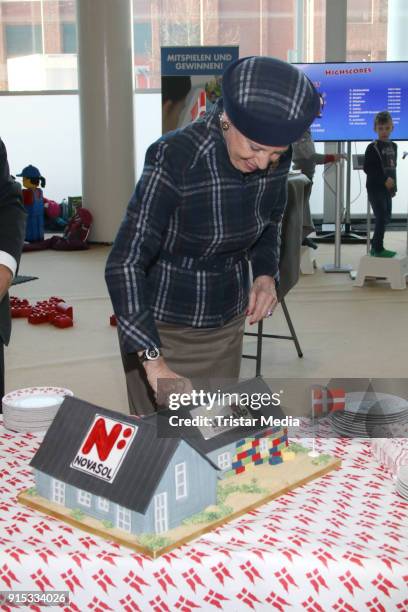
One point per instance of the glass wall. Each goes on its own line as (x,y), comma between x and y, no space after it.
(260,27)
(38,38)
(367,40)
(38,45)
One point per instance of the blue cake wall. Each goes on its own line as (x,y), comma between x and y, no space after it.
(201,479)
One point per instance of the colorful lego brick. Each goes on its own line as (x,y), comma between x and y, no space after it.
(258,462)
(275,460)
(240,443)
(251,451)
(276,454)
(236,465)
(247,460)
(255,443)
(256,457)
(241,455)
(240,470)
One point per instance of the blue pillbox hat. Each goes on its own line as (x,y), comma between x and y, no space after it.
(268,100)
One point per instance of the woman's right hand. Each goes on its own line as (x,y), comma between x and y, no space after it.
(170,381)
(390,183)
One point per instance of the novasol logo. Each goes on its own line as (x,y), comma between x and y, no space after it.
(104,447)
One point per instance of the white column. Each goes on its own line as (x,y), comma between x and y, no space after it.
(336,40)
(397,28)
(106,111)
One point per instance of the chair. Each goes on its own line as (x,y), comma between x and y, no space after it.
(260,336)
(289,264)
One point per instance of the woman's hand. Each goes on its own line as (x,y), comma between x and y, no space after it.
(390,183)
(170,381)
(262,299)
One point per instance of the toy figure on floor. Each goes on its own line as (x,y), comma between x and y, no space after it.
(34,202)
(74,238)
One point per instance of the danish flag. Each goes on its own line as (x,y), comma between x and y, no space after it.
(199,106)
(325,400)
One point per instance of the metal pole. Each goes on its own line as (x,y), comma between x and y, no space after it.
(368,226)
(348,187)
(338,215)
(338,211)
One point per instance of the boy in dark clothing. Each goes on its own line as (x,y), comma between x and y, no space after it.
(380,163)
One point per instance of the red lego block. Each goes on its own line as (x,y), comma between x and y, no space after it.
(62,321)
(256,457)
(65,309)
(240,470)
(255,443)
(276,454)
(112,321)
(37,317)
(242,455)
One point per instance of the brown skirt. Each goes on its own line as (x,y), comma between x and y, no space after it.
(196,353)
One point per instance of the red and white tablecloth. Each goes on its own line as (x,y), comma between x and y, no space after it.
(338,543)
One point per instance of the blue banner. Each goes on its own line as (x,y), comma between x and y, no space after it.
(182,61)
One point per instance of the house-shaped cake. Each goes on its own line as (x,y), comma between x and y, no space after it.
(142,475)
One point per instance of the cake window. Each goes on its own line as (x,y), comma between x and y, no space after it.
(224,461)
(103,504)
(181,480)
(263,445)
(84,498)
(58,492)
(123,519)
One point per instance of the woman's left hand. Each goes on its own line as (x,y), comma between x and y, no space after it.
(262,299)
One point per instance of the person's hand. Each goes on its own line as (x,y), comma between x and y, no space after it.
(262,299)
(6,277)
(390,183)
(171,382)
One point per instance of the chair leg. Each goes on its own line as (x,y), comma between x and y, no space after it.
(291,328)
(259,349)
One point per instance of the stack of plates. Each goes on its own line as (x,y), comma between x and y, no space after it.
(373,415)
(32,409)
(402,481)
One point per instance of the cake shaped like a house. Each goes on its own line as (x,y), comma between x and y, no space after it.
(139,474)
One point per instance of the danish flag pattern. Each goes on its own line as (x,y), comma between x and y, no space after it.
(338,543)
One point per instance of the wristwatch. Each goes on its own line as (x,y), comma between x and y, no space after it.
(150,354)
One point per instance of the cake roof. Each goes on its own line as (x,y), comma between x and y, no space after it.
(146,460)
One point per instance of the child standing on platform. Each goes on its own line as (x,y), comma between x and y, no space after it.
(380,166)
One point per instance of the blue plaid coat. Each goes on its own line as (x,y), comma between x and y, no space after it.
(194,222)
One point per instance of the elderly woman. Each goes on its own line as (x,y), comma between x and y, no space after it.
(210,200)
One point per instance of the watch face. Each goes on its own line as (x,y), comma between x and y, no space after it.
(152,353)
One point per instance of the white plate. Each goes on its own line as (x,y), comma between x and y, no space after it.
(29,415)
(374,403)
(403,473)
(26,429)
(33,398)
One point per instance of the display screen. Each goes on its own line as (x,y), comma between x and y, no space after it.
(353,93)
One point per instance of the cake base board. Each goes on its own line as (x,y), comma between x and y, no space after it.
(285,477)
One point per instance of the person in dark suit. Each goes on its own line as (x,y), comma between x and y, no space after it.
(12,231)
